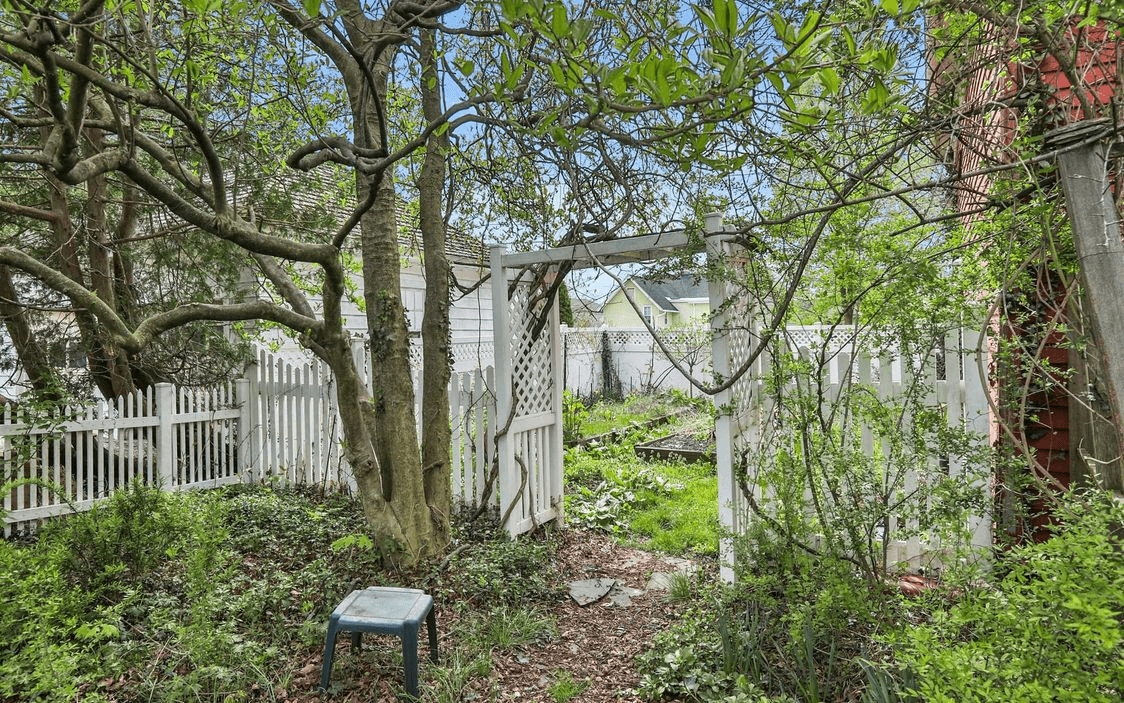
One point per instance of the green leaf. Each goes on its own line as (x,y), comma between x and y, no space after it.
(781,27)
(358,541)
(558,75)
(891,7)
(810,23)
(616,80)
(559,22)
(726,16)
(664,71)
(829,79)
(466,66)
(581,29)
(876,98)
(311,7)
(706,17)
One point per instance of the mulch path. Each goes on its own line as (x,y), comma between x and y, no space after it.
(599,642)
(596,644)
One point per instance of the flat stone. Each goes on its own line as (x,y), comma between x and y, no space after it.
(660,580)
(683,566)
(621,596)
(631,562)
(589,591)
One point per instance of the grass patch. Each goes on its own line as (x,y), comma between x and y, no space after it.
(606,417)
(590,419)
(668,506)
(565,688)
(505,628)
(686,520)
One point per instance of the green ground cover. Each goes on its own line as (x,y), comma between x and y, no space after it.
(585,418)
(668,506)
(224,596)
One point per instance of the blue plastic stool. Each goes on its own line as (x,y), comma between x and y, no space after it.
(390,611)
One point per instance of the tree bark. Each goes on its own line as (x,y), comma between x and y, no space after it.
(30,353)
(436,434)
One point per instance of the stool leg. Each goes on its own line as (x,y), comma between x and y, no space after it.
(410,659)
(356,640)
(431,622)
(329,650)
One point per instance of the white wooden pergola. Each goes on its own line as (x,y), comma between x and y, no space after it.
(528,374)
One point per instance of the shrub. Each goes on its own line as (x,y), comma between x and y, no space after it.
(123,539)
(1050,630)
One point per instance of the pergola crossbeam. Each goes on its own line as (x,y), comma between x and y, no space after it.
(627,250)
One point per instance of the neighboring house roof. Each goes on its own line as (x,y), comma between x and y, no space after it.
(461,247)
(585,306)
(664,293)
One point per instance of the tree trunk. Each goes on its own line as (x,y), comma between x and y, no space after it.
(390,414)
(381,431)
(391,410)
(113,362)
(436,434)
(30,354)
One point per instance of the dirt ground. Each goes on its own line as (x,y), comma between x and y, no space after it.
(596,644)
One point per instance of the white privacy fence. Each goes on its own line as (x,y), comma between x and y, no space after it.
(618,361)
(278,424)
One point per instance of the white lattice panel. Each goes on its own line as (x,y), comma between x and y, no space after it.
(531,368)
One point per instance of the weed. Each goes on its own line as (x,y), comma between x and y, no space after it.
(574,414)
(681,588)
(564,688)
(457,680)
(505,628)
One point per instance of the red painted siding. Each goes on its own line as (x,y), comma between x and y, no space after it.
(981,137)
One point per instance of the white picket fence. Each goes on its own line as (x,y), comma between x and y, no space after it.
(61,463)
(757,426)
(279,424)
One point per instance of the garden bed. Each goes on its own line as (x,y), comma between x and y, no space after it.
(621,432)
(682,445)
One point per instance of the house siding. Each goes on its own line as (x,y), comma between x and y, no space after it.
(983,137)
(617,312)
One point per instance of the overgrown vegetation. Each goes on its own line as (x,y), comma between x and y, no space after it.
(1045,625)
(668,506)
(225,595)
(1049,629)
(590,417)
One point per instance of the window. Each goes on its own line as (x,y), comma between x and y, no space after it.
(648,314)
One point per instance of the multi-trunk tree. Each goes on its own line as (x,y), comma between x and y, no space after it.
(192,126)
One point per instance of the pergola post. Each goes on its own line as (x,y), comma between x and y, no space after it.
(501,329)
(716,250)
(1083,163)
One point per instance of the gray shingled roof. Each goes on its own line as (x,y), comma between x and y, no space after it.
(688,285)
